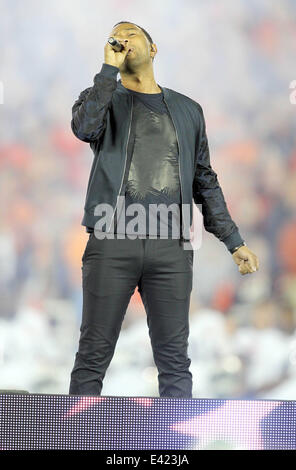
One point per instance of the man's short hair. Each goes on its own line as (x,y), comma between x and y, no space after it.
(144,31)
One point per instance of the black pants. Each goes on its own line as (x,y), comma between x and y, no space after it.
(111,270)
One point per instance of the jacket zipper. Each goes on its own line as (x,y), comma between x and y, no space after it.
(182,239)
(124,165)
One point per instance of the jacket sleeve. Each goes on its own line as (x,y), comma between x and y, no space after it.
(90,109)
(208,193)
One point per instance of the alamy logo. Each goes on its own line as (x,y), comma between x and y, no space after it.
(132,221)
(293,94)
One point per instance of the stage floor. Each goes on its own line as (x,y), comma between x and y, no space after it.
(41,421)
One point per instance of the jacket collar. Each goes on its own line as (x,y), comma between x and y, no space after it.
(122,89)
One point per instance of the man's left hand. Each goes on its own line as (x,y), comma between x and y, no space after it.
(246,260)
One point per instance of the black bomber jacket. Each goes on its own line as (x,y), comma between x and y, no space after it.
(101,116)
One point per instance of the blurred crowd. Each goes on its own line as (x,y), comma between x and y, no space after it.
(242,328)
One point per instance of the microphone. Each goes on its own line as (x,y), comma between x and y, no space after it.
(117,46)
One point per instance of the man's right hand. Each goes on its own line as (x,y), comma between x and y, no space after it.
(115,58)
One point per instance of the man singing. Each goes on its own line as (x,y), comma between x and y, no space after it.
(150,151)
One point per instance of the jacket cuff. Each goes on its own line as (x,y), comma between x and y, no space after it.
(233,240)
(108,71)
